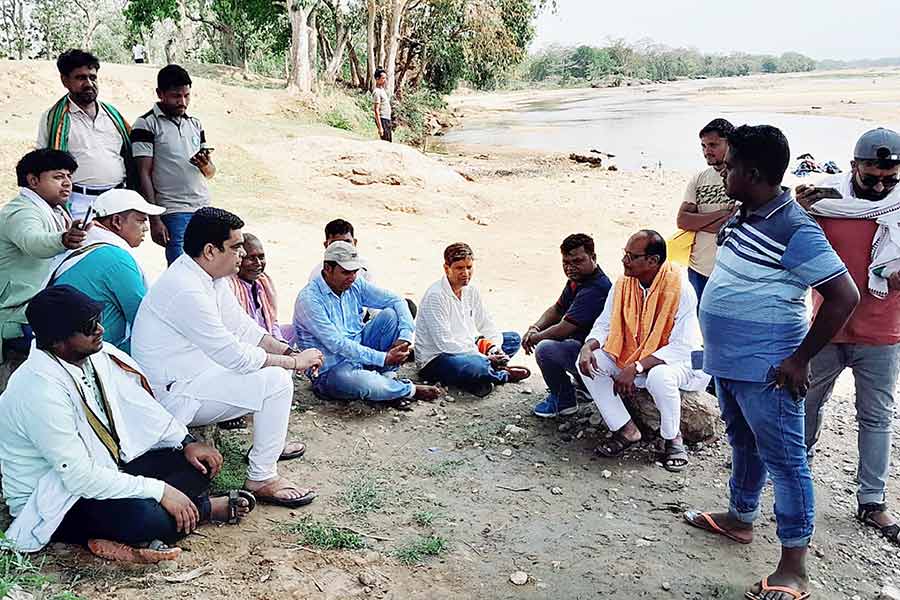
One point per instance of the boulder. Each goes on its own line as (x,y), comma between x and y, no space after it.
(700,420)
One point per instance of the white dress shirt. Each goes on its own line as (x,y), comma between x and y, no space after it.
(446,324)
(187,324)
(685,337)
(96,145)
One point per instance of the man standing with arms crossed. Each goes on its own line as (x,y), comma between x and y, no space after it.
(173,160)
(706,206)
(862,227)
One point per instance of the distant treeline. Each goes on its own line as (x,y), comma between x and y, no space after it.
(650,61)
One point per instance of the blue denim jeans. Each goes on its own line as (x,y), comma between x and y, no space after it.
(875,370)
(467,369)
(176,223)
(698,282)
(765,426)
(557,360)
(349,381)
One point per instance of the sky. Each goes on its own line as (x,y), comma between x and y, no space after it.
(838,29)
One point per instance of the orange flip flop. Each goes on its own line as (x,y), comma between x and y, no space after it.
(117,551)
(765,588)
(710,525)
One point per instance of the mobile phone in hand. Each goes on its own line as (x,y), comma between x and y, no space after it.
(828,192)
(87,218)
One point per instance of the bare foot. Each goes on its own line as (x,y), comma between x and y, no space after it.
(789,581)
(123,553)
(219,509)
(280,491)
(428,393)
(722,523)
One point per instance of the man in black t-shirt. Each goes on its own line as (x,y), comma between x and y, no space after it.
(557,336)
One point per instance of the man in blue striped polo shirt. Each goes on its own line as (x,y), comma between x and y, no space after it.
(757,344)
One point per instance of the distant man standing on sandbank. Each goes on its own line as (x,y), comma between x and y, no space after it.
(382,106)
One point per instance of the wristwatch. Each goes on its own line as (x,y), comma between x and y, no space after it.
(638,367)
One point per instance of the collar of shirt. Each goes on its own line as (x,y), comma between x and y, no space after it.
(448,289)
(325,289)
(160,114)
(771,207)
(191,265)
(74,108)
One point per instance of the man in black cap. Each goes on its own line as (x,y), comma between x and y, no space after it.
(88,456)
(863,226)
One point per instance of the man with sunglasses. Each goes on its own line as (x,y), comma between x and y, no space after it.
(863,226)
(88,456)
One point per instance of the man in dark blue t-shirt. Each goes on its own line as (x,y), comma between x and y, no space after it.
(558,334)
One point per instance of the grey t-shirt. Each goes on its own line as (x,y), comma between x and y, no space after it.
(383,99)
(171,142)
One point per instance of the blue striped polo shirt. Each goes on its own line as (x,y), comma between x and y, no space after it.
(753,311)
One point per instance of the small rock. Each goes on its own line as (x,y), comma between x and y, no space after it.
(507,452)
(556,491)
(167,565)
(606,473)
(889,592)
(395,419)
(514,429)
(595,419)
(564,427)
(519,578)
(367,579)
(449,399)
(666,586)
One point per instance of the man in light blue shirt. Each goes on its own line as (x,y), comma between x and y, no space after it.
(361,361)
(105,269)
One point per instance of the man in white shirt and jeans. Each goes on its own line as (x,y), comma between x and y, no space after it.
(457,342)
(382,106)
(208,361)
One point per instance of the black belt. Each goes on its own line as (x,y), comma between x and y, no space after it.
(80,189)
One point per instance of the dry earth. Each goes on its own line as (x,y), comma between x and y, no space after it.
(578,526)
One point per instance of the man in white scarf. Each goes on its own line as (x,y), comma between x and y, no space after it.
(863,226)
(88,456)
(104,267)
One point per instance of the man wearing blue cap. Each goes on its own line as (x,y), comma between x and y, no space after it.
(863,226)
(88,456)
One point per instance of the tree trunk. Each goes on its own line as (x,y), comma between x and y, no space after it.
(333,68)
(312,35)
(370,46)
(379,42)
(393,43)
(300,76)
(233,54)
(357,78)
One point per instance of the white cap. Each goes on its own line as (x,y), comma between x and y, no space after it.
(119,200)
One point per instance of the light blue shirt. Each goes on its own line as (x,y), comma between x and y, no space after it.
(753,310)
(334,324)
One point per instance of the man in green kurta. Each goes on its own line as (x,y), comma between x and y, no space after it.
(34,227)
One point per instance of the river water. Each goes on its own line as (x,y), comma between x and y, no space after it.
(644,130)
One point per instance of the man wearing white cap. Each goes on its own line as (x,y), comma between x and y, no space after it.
(104,267)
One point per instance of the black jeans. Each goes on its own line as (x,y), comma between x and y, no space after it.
(387,130)
(135,521)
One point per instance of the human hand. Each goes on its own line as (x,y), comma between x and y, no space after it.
(181,508)
(807,195)
(587,362)
(794,375)
(397,354)
(530,339)
(159,233)
(205,459)
(623,383)
(311,358)
(75,235)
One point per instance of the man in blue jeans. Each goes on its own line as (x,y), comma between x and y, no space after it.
(556,337)
(457,342)
(758,346)
(173,159)
(361,359)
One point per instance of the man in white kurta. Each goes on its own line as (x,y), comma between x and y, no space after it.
(208,361)
(457,342)
(85,450)
(660,357)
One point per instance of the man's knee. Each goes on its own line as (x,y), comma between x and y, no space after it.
(662,378)
(550,352)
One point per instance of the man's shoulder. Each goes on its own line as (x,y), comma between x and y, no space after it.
(148,120)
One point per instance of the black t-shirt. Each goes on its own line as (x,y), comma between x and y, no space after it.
(582,302)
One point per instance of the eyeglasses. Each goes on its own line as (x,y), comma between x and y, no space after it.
(630,256)
(871,181)
(90,328)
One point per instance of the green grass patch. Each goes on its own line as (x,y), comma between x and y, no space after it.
(338,120)
(424,518)
(234,469)
(444,468)
(19,571)
(325,535)
(363,495)
(417,551)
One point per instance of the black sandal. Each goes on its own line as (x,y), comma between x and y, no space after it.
(234,496)
(675,457)
(615,446)
(864,515)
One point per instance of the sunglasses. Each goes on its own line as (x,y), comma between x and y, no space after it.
(90,327)
(871,181)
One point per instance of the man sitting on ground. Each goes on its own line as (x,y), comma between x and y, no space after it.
(88,456)
(105,269)
(646,336)
(556,337)
(208,361)
(34,227)
(361,359)
(254,289)
(457,342)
